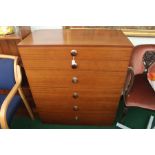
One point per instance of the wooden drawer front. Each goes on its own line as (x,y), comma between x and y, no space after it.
(77,119)
(88,58)
(83,65)
(95,118)
(57,117)
(43,79)
(62,99)
(84,53)
(59,105)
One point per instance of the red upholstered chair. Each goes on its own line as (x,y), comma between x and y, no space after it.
(137,90)
(151,75)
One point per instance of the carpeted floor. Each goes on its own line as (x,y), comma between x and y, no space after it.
(136,118)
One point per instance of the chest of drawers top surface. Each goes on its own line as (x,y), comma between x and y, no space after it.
(76,37)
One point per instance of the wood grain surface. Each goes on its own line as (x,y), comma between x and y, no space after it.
(102,60)
(86,37)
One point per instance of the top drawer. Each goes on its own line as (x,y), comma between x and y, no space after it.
(88,58)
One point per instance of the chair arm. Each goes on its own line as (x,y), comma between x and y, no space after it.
(129,81)
(5,105)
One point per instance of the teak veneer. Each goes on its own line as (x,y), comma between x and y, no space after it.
(102,59)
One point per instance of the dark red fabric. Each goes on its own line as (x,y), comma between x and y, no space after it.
(141,94)
(136,60)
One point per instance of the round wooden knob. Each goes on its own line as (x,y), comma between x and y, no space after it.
(75,108)
(76,118)
(73,52)
(75,95)
(74,66)
(75,79)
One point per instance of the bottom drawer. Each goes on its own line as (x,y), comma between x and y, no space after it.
(77,118)
(57,117)
(96,118)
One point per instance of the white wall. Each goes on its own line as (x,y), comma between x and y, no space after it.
(142,40)
(45,27)
(135,40)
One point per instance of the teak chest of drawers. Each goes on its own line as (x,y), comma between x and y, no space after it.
(76,76)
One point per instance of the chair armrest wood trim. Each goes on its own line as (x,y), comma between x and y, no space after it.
(5,106)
